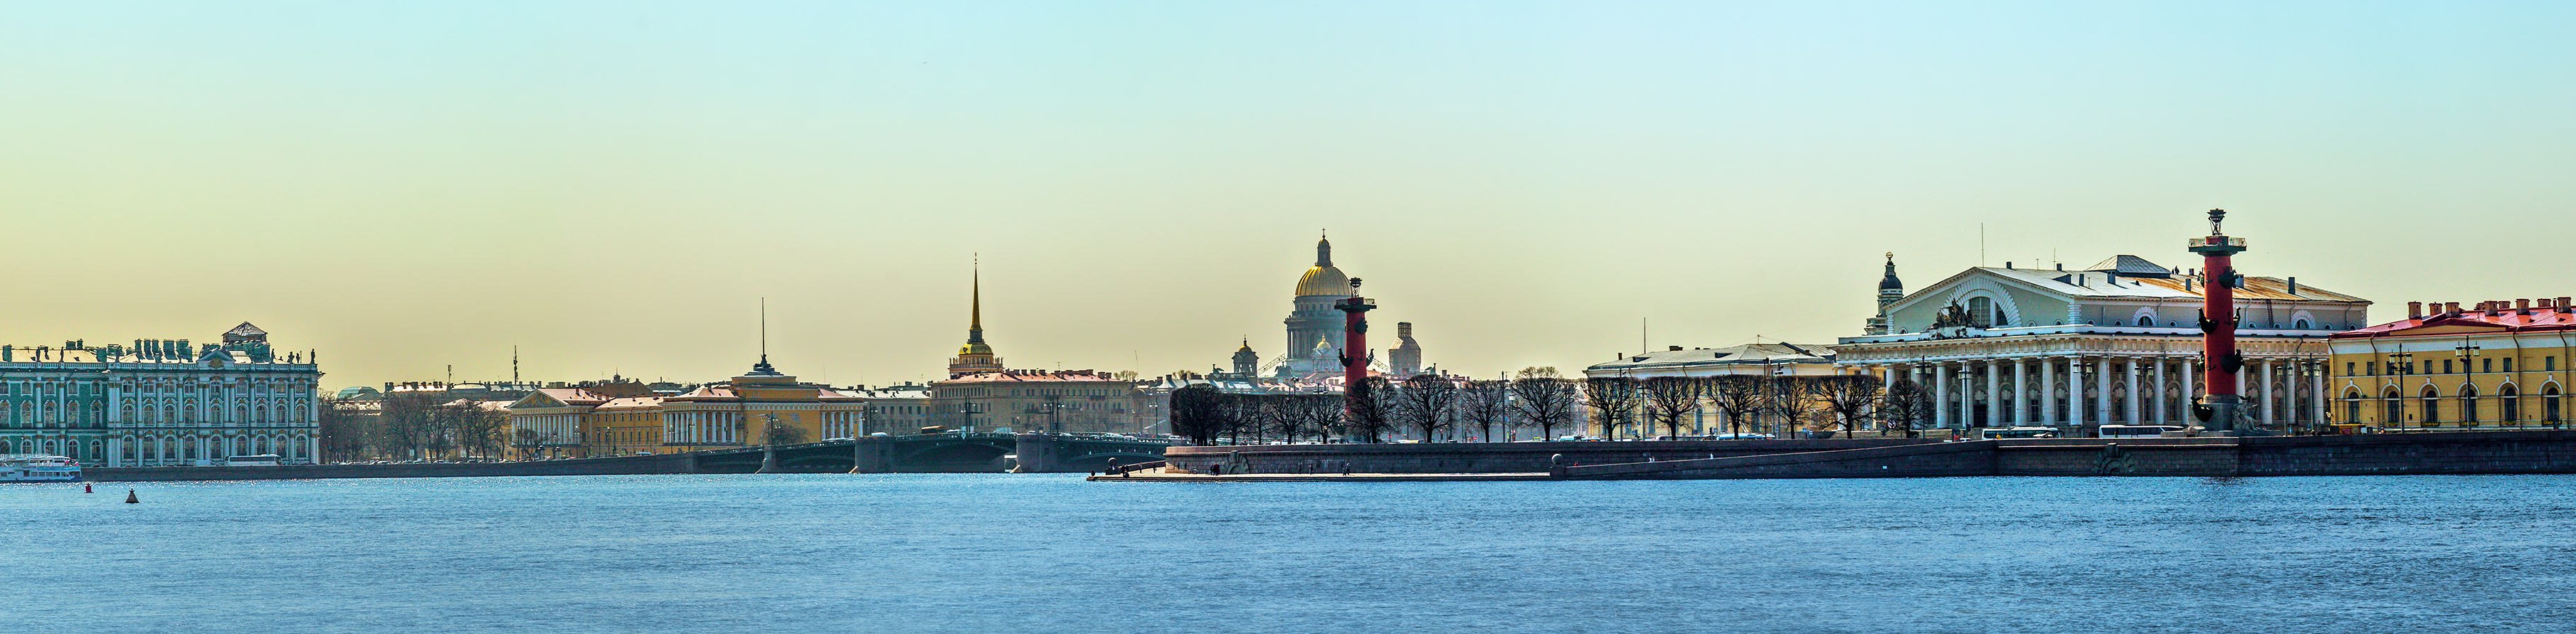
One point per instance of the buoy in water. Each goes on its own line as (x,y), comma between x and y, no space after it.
(130,499)
(85,488)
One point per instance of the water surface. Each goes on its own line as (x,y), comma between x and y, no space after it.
(1051,553)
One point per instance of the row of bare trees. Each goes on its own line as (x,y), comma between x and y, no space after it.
(1845,402)
(1423,406)
(410,425)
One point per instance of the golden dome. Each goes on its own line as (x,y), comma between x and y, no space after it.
(1324,281)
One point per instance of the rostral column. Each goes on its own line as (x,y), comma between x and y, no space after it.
(2218,409)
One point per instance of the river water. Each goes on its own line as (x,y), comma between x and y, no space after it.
(1051,553)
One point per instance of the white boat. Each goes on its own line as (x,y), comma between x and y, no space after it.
(38,468)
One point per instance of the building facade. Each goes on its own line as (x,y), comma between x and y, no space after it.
(1756,359)
(161,402)
(2497,364)
(1025,401)
(1405,359)
(2117,343)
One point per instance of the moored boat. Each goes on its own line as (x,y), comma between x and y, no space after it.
(38,468)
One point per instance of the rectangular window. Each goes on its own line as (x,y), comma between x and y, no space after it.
(2486,365)
(2508,364)
(2347,368)
(2446,366)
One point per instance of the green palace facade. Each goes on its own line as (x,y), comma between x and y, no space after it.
(160,402)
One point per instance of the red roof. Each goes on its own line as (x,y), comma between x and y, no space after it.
(2497,320)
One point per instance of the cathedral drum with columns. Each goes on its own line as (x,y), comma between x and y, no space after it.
(2118,343)
(1314,327)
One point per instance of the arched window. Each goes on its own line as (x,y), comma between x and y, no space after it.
(2146,321)
(2469,403)
(1981,311)
(2509,402)
(2352,406)
(2432,407)
(2299,325)
(2549,403)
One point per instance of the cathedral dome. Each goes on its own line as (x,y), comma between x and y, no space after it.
(1323,280)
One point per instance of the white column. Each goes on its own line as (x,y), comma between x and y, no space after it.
(2021,393)
(2074,392)
(2163,380)
(2320,380)
(2190,379)
(2134,395)
(2267,392)
(2048,392)
(1941,395)
(2290,410)
(2102,401)
(1994,393)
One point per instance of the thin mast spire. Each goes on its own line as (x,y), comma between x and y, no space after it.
(764,330)
(975,317)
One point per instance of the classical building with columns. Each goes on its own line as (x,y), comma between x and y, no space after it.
(2115,343)
(160,402)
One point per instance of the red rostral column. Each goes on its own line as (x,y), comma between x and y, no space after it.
(2219,408)
(1354,348)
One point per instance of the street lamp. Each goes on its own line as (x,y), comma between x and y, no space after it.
(2401,365)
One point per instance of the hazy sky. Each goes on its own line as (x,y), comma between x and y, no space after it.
(612,186)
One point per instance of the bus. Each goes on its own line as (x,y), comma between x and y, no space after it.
(2137,431)
(261,460)
(1991,433)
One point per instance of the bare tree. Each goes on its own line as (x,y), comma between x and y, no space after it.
(411,423)
(477,431)
(1317,413)
(1612,401)
(1429,404)
(1668,399)
(1904,406)
(1794,400)
(348,432)
(1739,397)
(1484,405)
(1543,398)
(1850,397)
(776,433)
(1198,413)
(1367,406)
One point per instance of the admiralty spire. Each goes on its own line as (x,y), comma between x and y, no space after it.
(975,356)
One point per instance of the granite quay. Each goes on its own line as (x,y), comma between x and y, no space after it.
(2453,453)
(924,453)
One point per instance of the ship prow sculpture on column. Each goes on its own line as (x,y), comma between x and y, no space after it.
(2219,407)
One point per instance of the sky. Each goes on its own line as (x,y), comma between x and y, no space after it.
(613,187)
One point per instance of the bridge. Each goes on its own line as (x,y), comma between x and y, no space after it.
(954,452)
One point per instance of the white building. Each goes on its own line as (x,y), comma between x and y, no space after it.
(161,402)
(2117,343)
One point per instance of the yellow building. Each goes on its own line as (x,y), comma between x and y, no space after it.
(2496,365)
(738,413)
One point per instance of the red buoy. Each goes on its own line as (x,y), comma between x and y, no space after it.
(85,488)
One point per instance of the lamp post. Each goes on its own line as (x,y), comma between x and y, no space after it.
(2400,365)
(2468,353)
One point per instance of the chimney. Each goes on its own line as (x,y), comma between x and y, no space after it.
(2562,302)
(2450,307)
(2294,285)
(2061,266)
(2522,305)
(1672,348)
(2414,310)
(2546,304)
(2008,265)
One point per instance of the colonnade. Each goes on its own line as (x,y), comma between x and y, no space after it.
(2082,390)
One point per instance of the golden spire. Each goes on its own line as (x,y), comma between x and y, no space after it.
(975,317)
